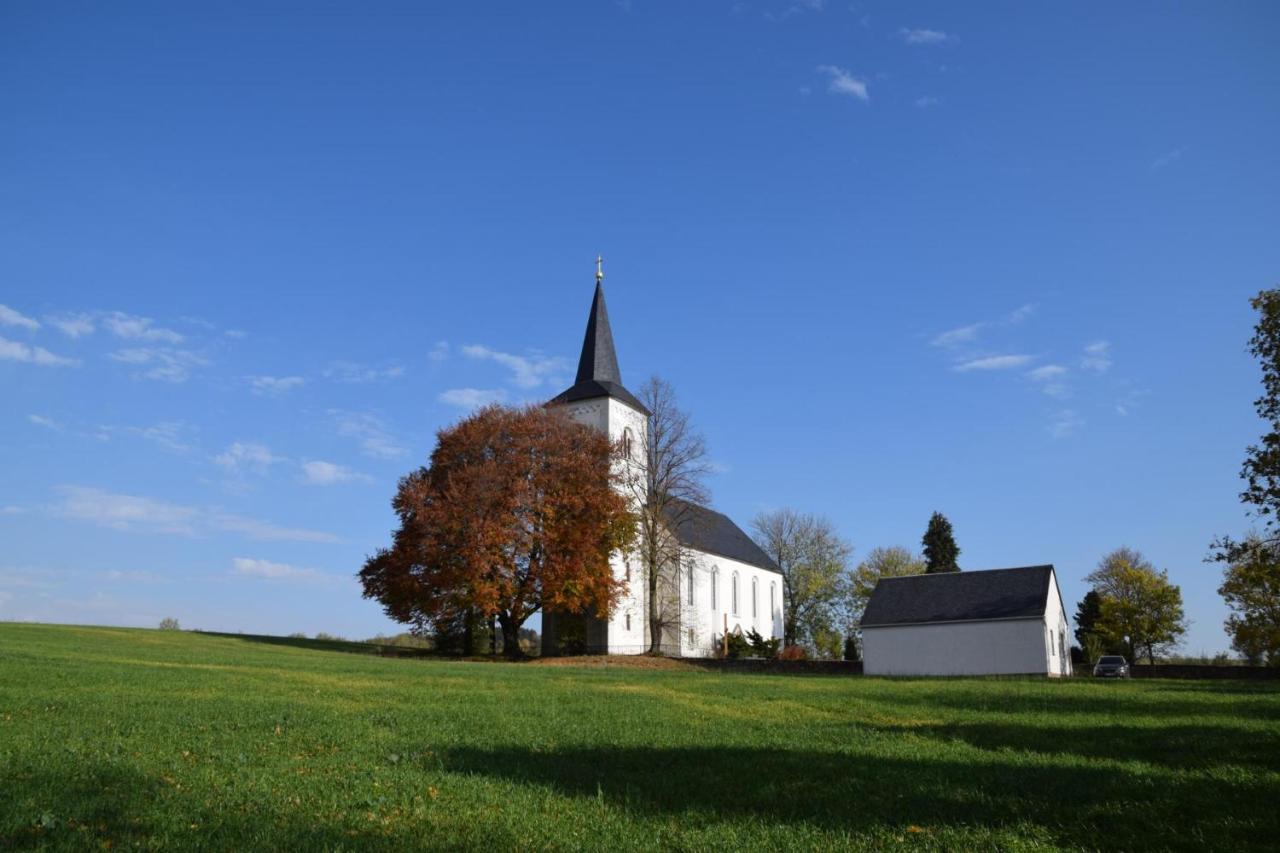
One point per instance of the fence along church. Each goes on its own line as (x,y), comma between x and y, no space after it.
(722,579)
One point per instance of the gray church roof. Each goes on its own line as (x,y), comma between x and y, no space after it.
(1021,593)
(598,374)
(704,529)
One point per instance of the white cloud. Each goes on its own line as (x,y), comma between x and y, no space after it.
(133,576)
(1065,423)
(923,36)
(1167,159)
(994,362)
(125,512)
(274,385)
(926,101)
(970,333)
(1047,372)
(12,510)
(16,351)
(129,327)
(526,371)
(266,531)
(350,371)
(10,317)
(796,7)
(843,83)
(375,440)
(472,398)
(169,435)
(246,456)
(47,423)
(1097,357)
(72,325)
(272,571)
(961,335)
(317,472)
(161,363)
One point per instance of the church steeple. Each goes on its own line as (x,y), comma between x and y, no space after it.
(599,360)
(598,374)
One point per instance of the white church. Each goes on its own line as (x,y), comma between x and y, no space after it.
(723,580)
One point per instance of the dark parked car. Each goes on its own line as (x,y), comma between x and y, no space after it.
(1111,666)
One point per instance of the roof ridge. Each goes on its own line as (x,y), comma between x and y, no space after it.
(968,572)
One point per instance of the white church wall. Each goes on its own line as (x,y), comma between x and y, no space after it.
(996,647)
(706,614)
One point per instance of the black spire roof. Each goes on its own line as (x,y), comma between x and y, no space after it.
(598,374)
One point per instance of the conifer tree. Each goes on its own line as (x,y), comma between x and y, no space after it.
(940,548)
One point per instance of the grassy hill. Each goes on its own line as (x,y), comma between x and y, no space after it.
(166,739)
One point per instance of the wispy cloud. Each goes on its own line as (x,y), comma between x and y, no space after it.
(1167,159)
(171,435)
(372,433)
(18,351)
(255,529)
(993,362)
(130,327)
(72,325)
(1049,377)
(243,457)
(274,386)
(47,423)
(353,372)
(10,317)
(272,571)
(317,472)
(962,335)
(1065,423)
(125,512)
(526,371)
(160,363)
(911,36)
(793,8)
(841,82)
(472,398)
(1097,357)
(926,101)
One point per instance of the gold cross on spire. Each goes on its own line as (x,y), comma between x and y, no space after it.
(599,268)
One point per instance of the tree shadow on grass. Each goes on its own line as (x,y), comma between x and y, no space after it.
(1173,746)
(1078,806)
(1232,700)
(347,646)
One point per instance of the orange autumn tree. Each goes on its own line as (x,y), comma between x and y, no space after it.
(517,511)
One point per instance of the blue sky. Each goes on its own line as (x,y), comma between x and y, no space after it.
(895,258)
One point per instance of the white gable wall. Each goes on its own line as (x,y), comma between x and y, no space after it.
(997,647)
(1057,640)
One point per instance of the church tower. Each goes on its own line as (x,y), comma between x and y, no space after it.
(598,399)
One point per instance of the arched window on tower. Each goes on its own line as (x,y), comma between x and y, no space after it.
(688,570)
(754,608)
(733,599)
(626,442)
(715,587)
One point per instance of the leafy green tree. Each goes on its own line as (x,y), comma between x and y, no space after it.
(894,561)
(940,548)
(1251,588)
(814,561)
(1141,611)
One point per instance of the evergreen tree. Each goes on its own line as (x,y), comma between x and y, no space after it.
(940,548)
(1087,613)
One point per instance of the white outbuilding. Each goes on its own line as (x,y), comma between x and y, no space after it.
(996,622)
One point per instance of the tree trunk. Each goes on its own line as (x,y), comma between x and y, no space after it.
(655,619)
(510,636)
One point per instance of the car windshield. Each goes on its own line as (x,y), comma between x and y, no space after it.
(1109,660)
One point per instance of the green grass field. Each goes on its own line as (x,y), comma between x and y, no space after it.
(129,738)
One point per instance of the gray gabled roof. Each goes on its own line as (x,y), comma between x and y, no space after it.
(1021,593)
(598,373)
(704,529)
